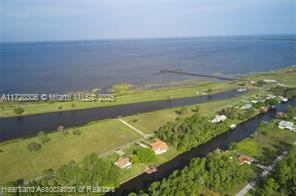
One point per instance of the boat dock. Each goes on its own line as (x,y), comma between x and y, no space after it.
(178,71)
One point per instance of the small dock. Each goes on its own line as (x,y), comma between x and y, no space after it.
(178,71)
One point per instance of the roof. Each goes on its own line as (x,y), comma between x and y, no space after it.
(159,145)
(243,159)
(122,161)
(219,118)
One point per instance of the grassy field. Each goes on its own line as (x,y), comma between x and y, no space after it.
(17,162)
(6,109)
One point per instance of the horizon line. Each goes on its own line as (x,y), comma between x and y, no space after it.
(141,38)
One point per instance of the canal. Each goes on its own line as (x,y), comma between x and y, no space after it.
(26,126)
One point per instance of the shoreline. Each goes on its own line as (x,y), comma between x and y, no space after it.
(137,95)
(141,96)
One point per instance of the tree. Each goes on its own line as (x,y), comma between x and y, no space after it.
(273,101)
(144,154)
(43,137)
(18,110)
(33,147)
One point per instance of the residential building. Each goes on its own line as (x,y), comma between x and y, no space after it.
(123,162)
(159,146)
(245,159)
(219,118)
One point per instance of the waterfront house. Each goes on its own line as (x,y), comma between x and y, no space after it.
(123,162)
(159,146)
(287,125)
(245,159)
(219,118)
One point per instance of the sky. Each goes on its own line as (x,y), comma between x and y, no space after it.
(47,20)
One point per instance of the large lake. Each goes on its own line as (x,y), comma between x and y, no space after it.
(71,66)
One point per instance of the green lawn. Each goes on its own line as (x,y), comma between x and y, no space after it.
(138,95)
(17,162)
(127,174)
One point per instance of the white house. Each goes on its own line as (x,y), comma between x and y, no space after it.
(219,118)
(287,125)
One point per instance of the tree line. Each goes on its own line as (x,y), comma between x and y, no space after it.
(217,172)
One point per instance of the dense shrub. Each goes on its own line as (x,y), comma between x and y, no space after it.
(18,111)
(185,133)
(143,155)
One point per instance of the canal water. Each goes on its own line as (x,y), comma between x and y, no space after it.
(26,126)
(243,130)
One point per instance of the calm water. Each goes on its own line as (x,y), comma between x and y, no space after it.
(25,126)
(70,66)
